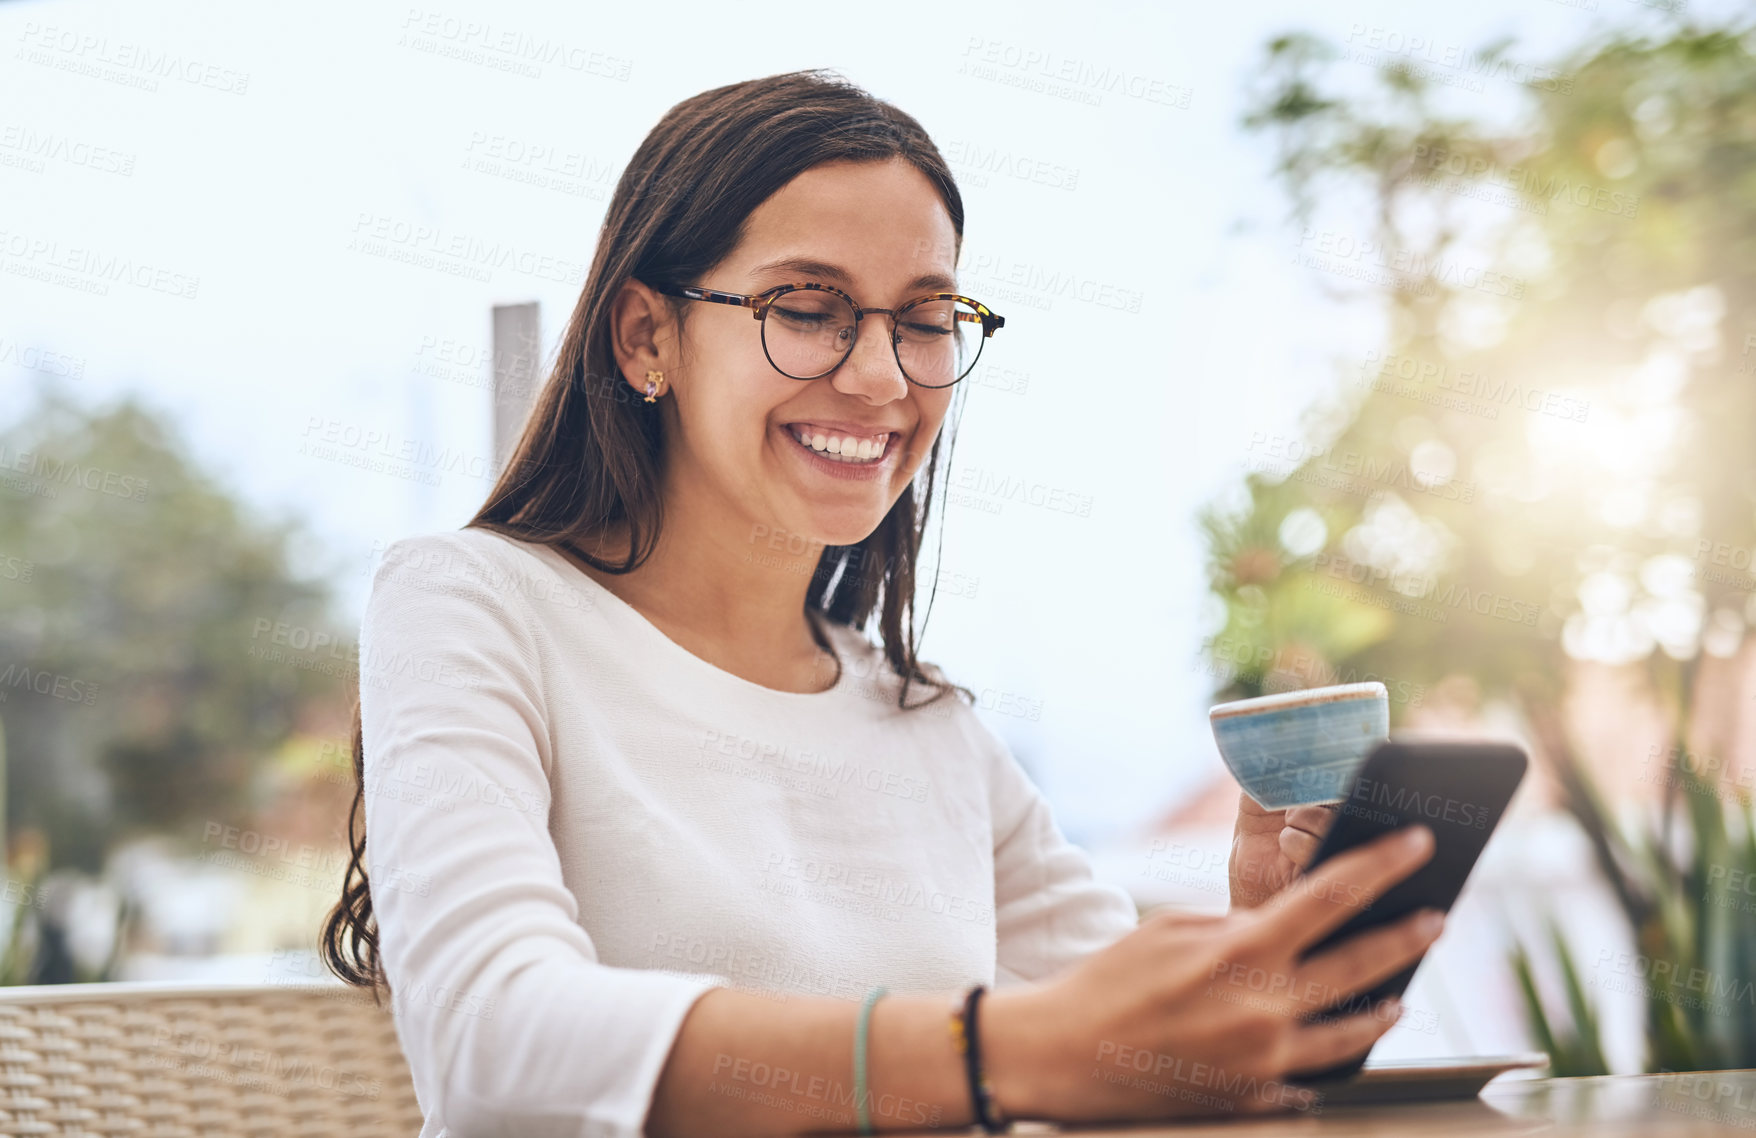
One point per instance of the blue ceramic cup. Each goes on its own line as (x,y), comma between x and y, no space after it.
(1301,747)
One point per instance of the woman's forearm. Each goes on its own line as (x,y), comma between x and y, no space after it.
(746,1063)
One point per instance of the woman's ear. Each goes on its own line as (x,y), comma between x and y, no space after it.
(643,334)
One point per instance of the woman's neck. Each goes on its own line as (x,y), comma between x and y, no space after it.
(736,600)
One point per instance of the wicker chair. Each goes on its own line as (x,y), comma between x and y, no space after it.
(154,1060)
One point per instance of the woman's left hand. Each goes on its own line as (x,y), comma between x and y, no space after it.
(1271,847)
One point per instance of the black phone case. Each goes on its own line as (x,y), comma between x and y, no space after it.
(1458,790)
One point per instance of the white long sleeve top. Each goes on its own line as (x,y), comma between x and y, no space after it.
(575,828)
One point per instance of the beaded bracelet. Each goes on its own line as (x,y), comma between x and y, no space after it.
(861,1105)
(969,1045)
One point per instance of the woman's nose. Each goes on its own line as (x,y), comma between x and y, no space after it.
(871,369)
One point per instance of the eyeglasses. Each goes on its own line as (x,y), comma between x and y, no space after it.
(814,328)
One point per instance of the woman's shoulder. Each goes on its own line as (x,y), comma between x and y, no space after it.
(461,553)
(474,561)
(438,549)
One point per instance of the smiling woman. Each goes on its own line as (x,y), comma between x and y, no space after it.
(669,841)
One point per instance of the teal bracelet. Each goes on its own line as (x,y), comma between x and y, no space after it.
(860,1095)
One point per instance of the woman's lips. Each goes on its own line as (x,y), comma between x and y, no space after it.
(835,467)
(840,443)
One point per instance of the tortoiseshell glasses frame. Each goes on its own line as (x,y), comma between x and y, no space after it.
(761,304)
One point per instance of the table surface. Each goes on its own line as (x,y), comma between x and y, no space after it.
(1667,1106)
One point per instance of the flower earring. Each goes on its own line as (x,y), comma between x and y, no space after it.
(655,381)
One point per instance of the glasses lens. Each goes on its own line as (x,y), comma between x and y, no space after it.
(806,332)
(937,341)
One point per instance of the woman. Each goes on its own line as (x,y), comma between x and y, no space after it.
(652,823)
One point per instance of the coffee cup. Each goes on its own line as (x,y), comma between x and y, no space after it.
(1301,747)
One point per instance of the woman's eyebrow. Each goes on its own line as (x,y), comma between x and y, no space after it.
(835,274)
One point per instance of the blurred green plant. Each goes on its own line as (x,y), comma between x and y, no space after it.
(1694,924)
(134,588)
(16,956)
(1555,443)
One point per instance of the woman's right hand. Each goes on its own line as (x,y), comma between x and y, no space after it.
(1192,1015)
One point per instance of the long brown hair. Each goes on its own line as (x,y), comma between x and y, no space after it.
(592,450)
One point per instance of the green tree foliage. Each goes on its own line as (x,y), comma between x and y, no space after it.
(1570,301)
(132,584)
(1553,455)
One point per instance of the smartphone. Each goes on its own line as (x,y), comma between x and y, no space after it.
(1459,790)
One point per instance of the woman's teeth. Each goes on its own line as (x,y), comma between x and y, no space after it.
(843,448)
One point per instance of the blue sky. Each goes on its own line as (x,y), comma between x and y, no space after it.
(285,185)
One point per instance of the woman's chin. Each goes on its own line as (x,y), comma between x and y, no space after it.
(838,527)
(852,536)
